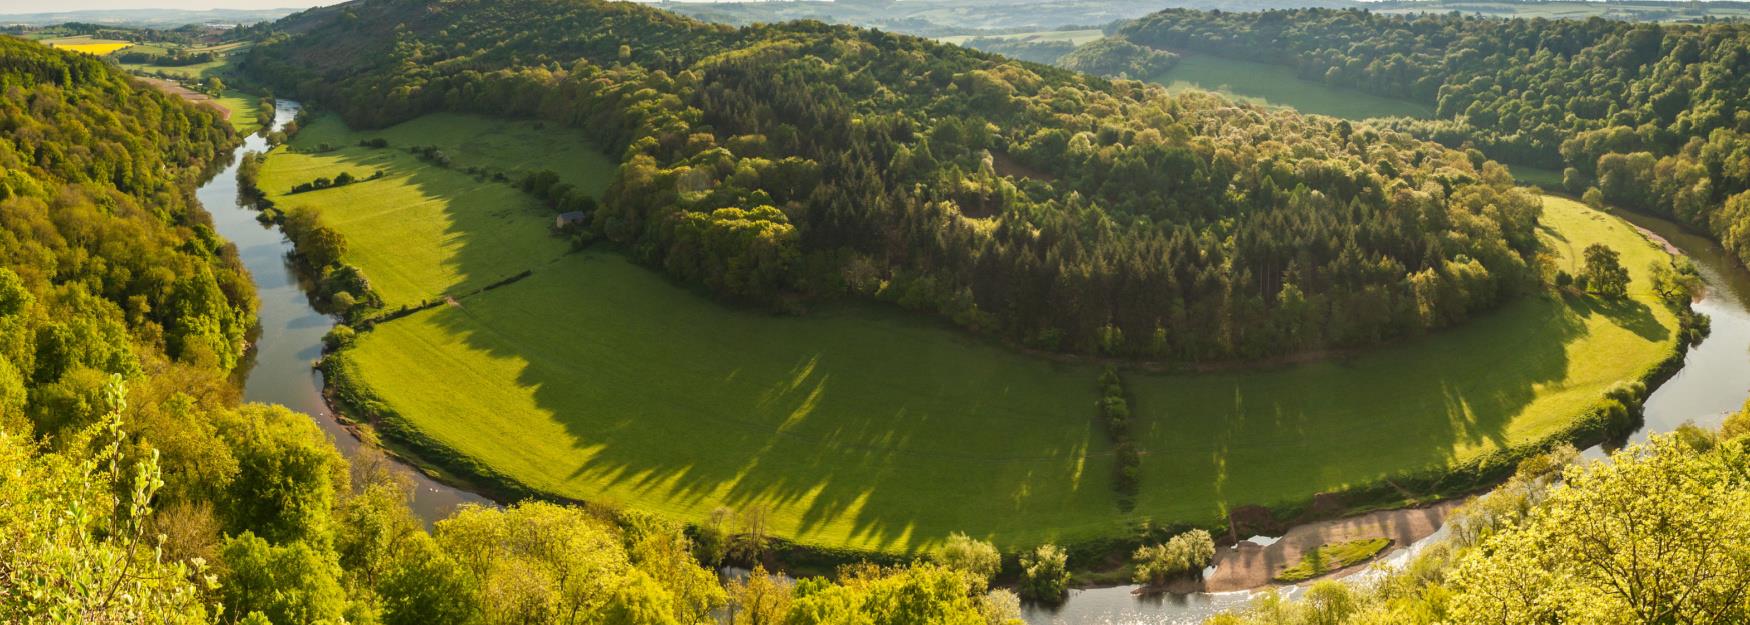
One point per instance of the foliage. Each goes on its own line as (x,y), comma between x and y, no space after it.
(1044,574)
(1604,273)
(1031,203)
(1113,56)
(75,544)
(1116,416)
(1185,553)
(1656,534)
(1648,113)
(969,555)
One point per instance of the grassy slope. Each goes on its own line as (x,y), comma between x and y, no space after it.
(198,70)
(245,111)
(1517,375)
(422,231)
(1275,85)
(598,380)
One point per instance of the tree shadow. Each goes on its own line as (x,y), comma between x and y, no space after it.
(599,380)
(1281,436)
(1627,313)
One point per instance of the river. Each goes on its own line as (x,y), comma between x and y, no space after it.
(279,370)
(1714,381)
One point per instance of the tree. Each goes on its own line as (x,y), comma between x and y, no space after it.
(75,544)
(290,583)
(1604,273)
(971,556)
(1045,574)
(1657,535)
(759,598)
(288,477)
(1185,553)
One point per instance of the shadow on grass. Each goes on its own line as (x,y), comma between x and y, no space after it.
(869,429)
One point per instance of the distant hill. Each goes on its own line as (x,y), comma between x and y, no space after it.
(146,18)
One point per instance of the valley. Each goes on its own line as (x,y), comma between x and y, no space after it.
(598,380)
(571,311)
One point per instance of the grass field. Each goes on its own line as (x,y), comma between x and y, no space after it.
(1276,85)
(198,70)
(245,111)
(423,231)
(87,44)
(598,380)
(1516,375)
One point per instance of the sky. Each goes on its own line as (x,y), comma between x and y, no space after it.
(57,6)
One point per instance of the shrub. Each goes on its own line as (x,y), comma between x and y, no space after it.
(969,555)
(1045,574)
(1186,553)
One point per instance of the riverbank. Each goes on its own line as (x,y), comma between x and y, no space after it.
(288,336)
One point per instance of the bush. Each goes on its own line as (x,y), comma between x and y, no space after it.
(1045,574)
(969,555)
(1187,553)
(339,336)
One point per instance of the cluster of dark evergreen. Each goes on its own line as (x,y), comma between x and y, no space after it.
(1655,116)
(786,163)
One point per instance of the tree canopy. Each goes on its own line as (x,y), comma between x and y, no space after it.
(785,164)
(1654,115)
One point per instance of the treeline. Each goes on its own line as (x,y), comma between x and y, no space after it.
(1024,48)
(177,58)
(1114,56)
(136,489)
(788,163)
(1658,533)
(1655,116)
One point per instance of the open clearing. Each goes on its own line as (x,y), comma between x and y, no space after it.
(423,231)
(1276,85)
(599,380)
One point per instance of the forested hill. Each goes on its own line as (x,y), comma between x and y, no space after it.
(794,162)
(106,264)
(1656,116)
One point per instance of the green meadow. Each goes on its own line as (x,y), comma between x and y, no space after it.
(599,380)
(1277,85)
(221,52)
(421,231)
(245,111)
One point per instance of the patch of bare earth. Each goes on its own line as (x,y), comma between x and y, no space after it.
(175,89)
(1250,565)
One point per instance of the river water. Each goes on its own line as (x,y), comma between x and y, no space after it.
(280,368)
(1714,381)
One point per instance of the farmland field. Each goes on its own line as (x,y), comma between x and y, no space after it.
(423,231)
(221,59)
(87,44)
(1276,85)
(596,379)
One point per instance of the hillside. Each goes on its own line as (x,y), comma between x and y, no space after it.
(1651,115)
(791,164)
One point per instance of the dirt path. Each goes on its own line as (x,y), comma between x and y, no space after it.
(1250,566)
(185,93)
